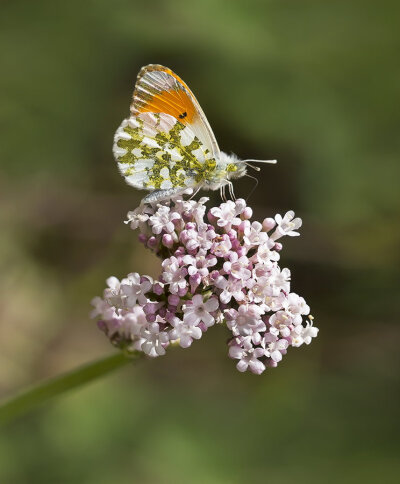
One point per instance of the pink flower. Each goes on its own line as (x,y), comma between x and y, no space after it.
(174,275)
(246,321)
(184,331)
(134,288)
(309,332)
(231,288)
(218,266)
(222,246)
(274,347)
(225,213)
(286,225)
(162,220)
(197,311)
(248,356)
(296,306)
(238,269)
(281,324)
(254,234)
(154,340)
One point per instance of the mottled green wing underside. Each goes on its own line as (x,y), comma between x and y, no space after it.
(155,151)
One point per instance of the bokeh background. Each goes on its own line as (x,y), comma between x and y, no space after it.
(315,84)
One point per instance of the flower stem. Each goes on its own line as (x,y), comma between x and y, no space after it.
(27,399)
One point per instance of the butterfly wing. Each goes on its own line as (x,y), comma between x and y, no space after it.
(155,151)
(159,90)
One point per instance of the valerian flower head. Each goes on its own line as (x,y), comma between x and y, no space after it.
(217,267)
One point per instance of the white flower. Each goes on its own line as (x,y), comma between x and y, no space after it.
(238,269)
(296,305)
(259,289)
(222,246)
(279,280)
(200,263)
(217,267)
(309,332)
(225,213)
(174,275)
(135,319)
(197,311)
(205,236)
(129,323)
(296,336)
(191,209)
(112,294)
(163,220)
(231,288)
(99,307)
(254,235)
(274,346)
(135,289)
(265,255)
(139,218)
(286,225)
(154,340)
(246,321)
(275,303)
(184,331)
(280,322)
(247,356)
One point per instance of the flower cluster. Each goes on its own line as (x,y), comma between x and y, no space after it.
(218,267)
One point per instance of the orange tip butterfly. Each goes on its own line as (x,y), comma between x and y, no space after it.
(167,145)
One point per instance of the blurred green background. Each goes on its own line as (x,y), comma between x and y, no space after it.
(315,84)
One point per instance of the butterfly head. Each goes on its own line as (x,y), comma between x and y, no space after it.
(228,167)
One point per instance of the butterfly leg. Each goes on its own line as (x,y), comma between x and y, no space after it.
(195,192)
(231,192)
(222,193)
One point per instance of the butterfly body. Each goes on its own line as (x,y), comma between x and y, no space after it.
(167,145)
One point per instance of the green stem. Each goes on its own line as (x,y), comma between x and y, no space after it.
(26,400)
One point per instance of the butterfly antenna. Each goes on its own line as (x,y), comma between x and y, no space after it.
(255,186)
(271,162)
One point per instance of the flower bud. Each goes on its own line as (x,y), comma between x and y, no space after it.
(152,242)
(167,241)
(247,213)
(268,224)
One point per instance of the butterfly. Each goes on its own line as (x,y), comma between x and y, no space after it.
(167,145)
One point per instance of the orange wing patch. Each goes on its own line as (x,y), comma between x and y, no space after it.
(159,90)
(175,103)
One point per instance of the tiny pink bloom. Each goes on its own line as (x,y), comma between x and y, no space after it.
(174,275)
(225,213)
(184,331)
(197,311)
(248,358)
(274,347)
(286,225)
(154,340)
(238,269)
(162,220)
(135,288)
